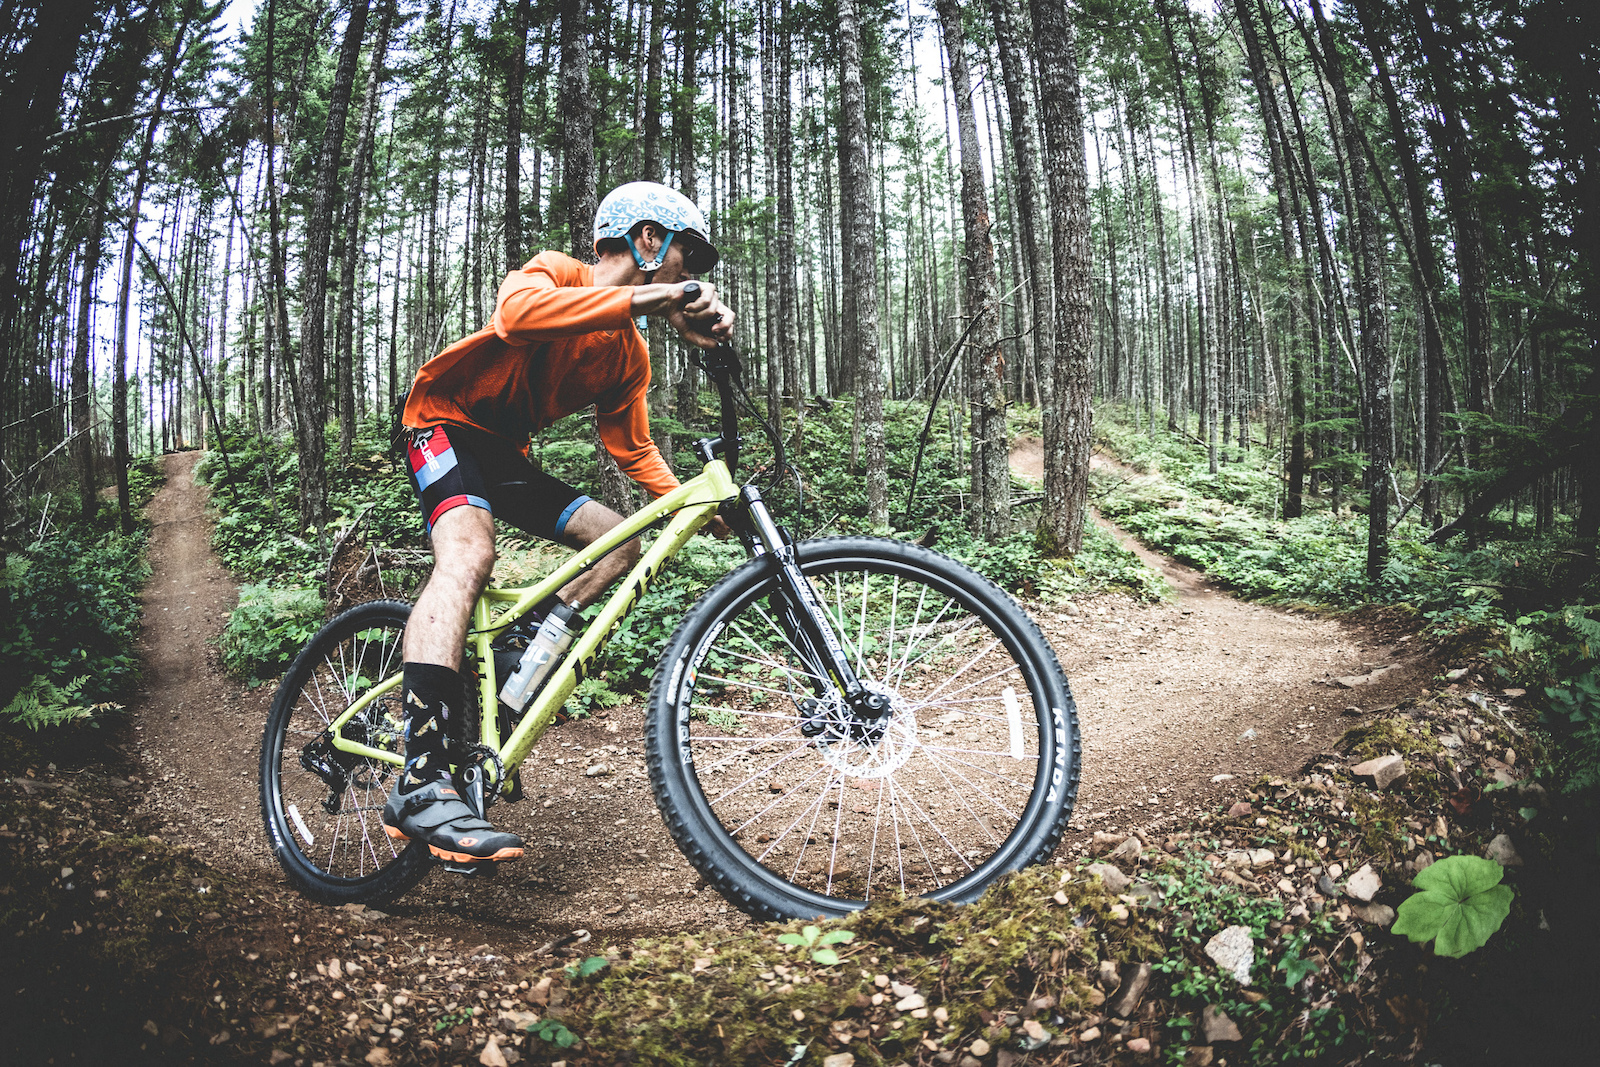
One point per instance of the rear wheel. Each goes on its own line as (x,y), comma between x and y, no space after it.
(793,805)
(322,806)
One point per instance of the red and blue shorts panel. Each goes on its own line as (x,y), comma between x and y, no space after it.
(454,466)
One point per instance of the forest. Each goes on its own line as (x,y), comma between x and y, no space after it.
(1359,238)
(1301,294)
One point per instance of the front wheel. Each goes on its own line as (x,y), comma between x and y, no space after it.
(792,805)
(321,806)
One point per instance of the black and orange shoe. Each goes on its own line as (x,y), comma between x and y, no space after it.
(436,815)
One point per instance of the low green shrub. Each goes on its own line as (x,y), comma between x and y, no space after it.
(69,613)
(268,628)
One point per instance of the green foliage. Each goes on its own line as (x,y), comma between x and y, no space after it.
(817,943)
(590,965)
(451,1018)
(554,1032)
(1281,1026)
(268,628)
(256,533)
(42,703)
(71,613)
(1460,906)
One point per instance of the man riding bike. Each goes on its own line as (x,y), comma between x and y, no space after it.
(563,337)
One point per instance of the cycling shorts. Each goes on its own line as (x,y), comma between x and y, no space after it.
(454,466)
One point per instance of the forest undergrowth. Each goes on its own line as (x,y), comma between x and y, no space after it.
(1262,932)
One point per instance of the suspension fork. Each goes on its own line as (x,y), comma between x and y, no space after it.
(801,613)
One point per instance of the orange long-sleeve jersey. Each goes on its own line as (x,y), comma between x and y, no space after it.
(557,343)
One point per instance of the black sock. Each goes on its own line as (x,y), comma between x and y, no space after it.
(432,694)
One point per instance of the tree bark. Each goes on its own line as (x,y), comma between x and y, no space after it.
(314,283)
(360,168)
(1068,421)
(1377,416)
(990,462)
(119,357)
(860,266)
(516,66)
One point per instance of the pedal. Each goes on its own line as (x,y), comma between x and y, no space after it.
(484,869)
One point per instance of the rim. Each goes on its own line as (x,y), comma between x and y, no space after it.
(930,799)
(350,844)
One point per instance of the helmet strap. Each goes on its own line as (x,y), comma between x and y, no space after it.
(655,264)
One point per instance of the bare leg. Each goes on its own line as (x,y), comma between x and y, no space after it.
(463,559)
(589,523)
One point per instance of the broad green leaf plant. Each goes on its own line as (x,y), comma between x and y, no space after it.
(814,939)
(1460,906)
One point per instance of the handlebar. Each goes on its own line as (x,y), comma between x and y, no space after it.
(723,367)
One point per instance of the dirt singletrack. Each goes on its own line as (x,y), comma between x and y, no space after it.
(1170,697)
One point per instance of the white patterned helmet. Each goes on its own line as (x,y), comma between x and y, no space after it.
(628,205)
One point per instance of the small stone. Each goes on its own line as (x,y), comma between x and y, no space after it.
(1090,1035)
(1128,851)
(1240,808)
(599,770)
(911,1003)
(1135,978)
(379,1057)
(1364,884)
(491,1055)
(1285,887)
(1441,829)
(1104,842)
(1110,975)
(1514,693)
(1222,778)
(1113,878)
(1234,952)
(1503,852)
(1199,1056)
(840,1059)
(1375,914)
(798,1016)
(980,1048)
(900,989)
(1384,770)
(1262,857)
(1139,1045)
(1216,1025)
(1455,675)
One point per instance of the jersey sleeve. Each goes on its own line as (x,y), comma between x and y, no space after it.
(554,296)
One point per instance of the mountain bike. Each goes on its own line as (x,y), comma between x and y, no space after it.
(835,720)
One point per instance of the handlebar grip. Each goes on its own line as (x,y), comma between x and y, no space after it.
(691,292)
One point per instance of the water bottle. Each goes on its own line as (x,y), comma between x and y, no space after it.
(540,657)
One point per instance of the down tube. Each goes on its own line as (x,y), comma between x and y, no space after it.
(589,645)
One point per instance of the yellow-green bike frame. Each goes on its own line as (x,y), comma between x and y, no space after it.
(691,506)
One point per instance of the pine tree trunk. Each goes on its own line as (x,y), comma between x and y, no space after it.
(1377,416)
(81,407)
(314,282)
(355,205)
(1068,420)
(860,263)
(991,473)
(516,65)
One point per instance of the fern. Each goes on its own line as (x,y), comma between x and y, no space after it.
(42,703)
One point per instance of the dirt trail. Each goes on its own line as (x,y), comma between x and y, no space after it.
(1169,697)
(1172,695)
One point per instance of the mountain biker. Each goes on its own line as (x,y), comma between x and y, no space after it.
(563,337)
